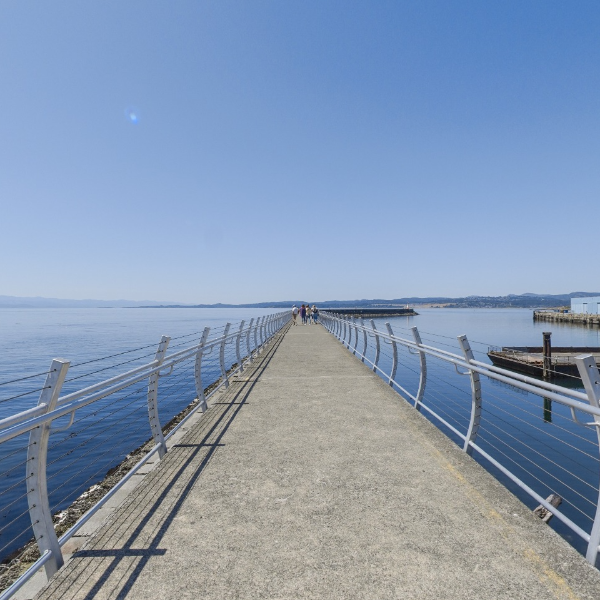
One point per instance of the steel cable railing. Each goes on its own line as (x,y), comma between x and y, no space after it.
(538,437)
(50,454)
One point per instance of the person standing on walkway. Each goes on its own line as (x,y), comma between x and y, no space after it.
(294,315)
(315,314)
(303,314)
(308,315)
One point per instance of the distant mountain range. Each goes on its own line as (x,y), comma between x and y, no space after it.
(528,300)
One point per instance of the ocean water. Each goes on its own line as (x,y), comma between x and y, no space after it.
(544,447)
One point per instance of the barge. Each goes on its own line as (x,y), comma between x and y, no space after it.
(530,360)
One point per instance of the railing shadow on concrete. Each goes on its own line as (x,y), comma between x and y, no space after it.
(498,428)
(162,505)
(100,423)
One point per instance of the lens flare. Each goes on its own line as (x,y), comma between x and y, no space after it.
(132,115)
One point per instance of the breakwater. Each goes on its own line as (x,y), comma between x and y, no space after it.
(376,312)
(572,318)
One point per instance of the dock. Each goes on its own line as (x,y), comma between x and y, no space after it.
(309,477)
(589,320)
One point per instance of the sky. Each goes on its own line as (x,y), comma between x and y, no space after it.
(218,151)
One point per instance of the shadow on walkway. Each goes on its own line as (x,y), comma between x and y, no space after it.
(143,520)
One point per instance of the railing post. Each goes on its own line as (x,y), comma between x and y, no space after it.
(423,374)
(355,336)
(591,382)
(248,338)
(261,333)
(349,323)
(198,371)
(237,347)
(222,355)
(364,350)
(475,396)
(256,326)
(394,355)
(37,486)
(377,346)
(155,426)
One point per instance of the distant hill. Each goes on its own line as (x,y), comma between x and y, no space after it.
(528,300)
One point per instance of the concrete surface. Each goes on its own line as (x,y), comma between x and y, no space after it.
(311,478)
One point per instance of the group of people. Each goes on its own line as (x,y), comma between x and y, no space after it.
(309,316)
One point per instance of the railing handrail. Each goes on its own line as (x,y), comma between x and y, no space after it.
(529,384)
(587,402)
(66,404)
(51,406)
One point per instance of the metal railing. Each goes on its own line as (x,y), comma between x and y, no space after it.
(498,427)
(99,420)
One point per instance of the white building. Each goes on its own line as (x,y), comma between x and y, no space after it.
(587,306)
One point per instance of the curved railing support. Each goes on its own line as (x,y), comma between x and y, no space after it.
(248,352)
(377,345)
(37,487)
(475,419)
(256,328)
(394,355)
(198,371)
(222,355)
(591,382)
(364,350)
(237,348)
(155,426)
(423,371)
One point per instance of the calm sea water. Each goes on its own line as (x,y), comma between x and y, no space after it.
(31,338)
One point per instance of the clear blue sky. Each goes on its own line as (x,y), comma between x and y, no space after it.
(324,149)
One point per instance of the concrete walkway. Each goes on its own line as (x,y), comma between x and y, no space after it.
(310,478)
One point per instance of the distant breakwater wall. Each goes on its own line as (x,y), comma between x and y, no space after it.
(374,312)
(572,318)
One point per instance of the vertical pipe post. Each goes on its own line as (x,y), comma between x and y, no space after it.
(364,350)
(237,348)
(394,355)
(591,382)
(35,474)
(198,371)
(343,340)
(423,373)
(155,426)
(249,354)
(222,355)
(377,346)
(475,419)
(547,348)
